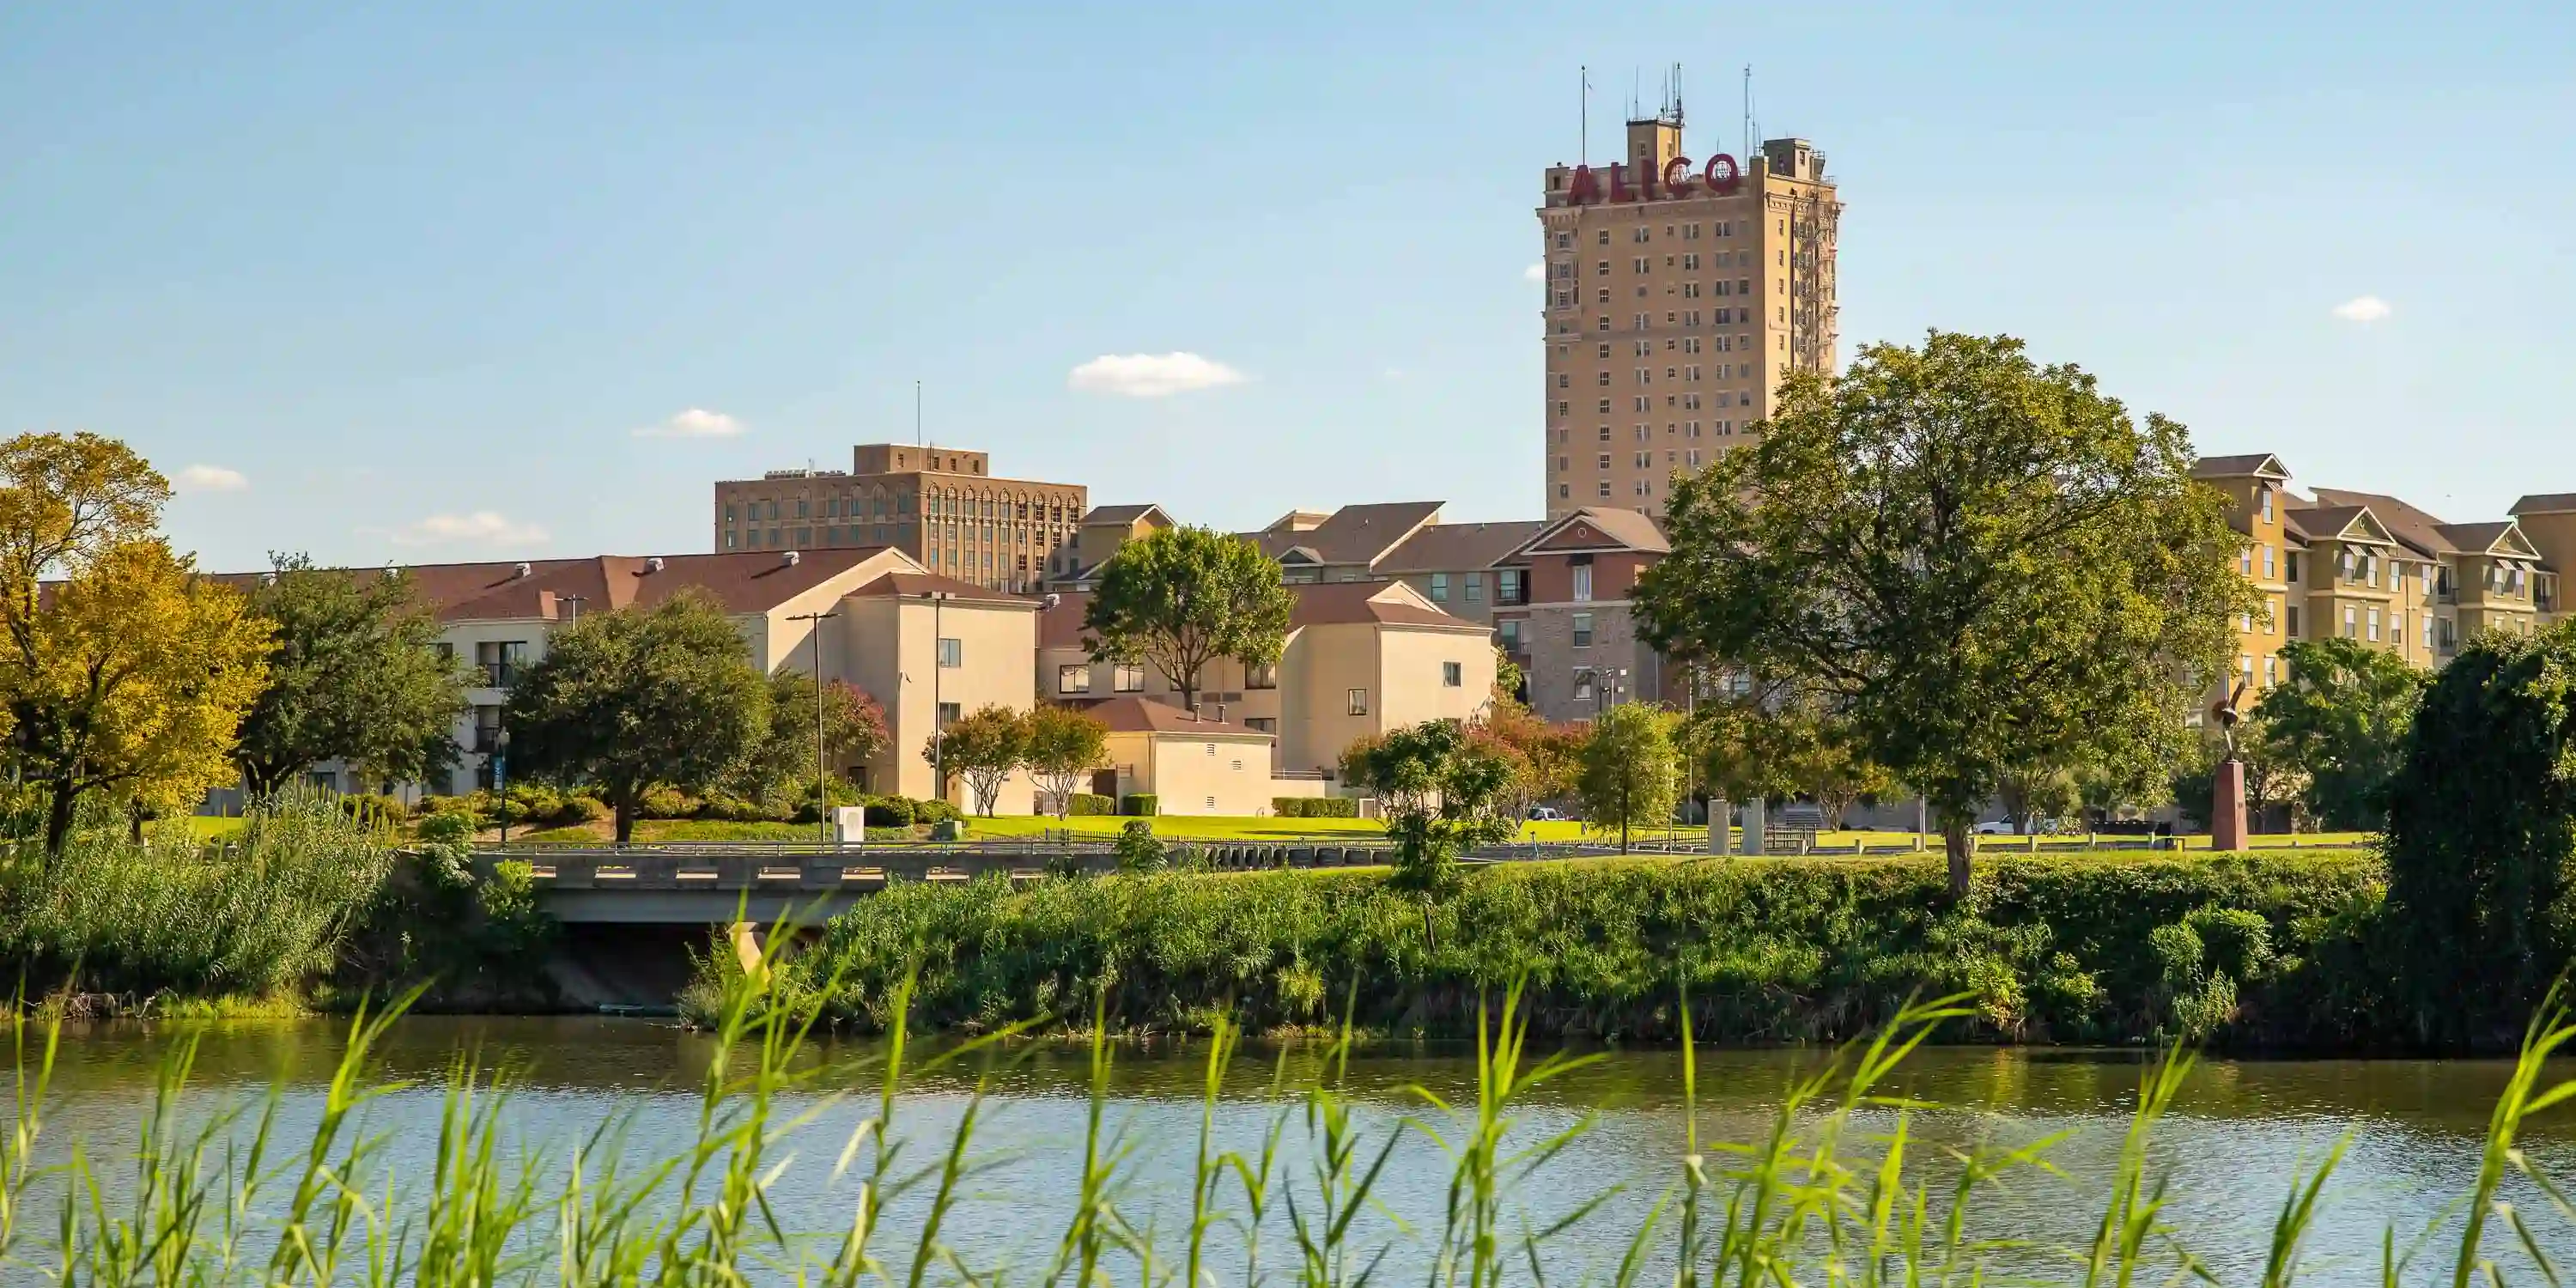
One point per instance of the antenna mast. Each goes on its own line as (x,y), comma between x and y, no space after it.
(1583,151)
(1748,113)
(917,439)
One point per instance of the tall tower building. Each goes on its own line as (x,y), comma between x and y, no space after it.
(1679,293)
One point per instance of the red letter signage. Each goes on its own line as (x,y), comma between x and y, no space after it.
(1677,176)
(1585,188)
(1721,175)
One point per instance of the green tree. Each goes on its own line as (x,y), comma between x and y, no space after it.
(640,698)
(1544,758)
(1987,563)
(2340,719)
(2481,834)
(983,747)
(1183,597)
(853,728)
(2271,777)
(131,685)
(357,676)
(1442,795)
(1064,746)
(1508,679)
(1772,742)
(1631,772)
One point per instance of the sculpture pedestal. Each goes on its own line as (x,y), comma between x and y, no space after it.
(1718,824)
(1755,821)
(2227,807)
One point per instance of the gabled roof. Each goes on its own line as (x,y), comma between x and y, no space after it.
(1124,514)
(1459,547)
(2340,523)
(1133,714)
(2545,503)
(1387,603)
(913,585)
(2260,465)
(1354,534)
(2503,537)
(1594,529)
(2412,526)
(739,582)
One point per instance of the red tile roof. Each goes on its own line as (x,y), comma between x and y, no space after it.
(740,582)
(915,584)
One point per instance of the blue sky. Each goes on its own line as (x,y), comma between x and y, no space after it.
(407,282)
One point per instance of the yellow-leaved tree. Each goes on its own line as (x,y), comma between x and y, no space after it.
(125,673)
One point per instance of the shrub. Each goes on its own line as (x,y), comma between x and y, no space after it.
(667,802)
(1138,849)
(732,809)
(1090,804)
(888,811)
(446,827)
(1315,806)
(371,807)
(1141,805)
(929,810)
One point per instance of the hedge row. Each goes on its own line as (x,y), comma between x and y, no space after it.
(1315,806)
(1141,805)
(1090,804)
(2068,949)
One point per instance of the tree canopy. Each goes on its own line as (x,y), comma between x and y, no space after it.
(2481,829)
(1773,742)
(1441,794)
(1631,770)
(983,747)
(1987,563)
(853,729)
(1064,746)
(639,698)
(127,677)
(2339,720)
(356,676)
(1183,597)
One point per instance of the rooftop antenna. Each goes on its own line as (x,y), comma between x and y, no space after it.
(1583,152)
(1748,113)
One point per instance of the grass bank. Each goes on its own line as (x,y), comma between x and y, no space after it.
(2085,949)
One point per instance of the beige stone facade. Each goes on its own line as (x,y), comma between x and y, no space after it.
(1361,658)
(1193,765)
(2370,567)
(939,505)
(1675,301)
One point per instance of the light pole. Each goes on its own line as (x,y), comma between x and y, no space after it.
(822,797)
(501,778)
(938,663)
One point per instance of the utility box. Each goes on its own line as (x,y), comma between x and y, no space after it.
(850,824)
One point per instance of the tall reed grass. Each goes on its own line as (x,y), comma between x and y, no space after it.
(258,913)
(1835,1189)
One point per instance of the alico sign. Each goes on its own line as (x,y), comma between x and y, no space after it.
(1719,176)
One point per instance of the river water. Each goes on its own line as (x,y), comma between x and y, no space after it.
(2229,1151)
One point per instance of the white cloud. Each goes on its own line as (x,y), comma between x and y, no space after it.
(696,422)
(482,527)
(208,478)
(2362,308)
(1150,375)
(1534,273)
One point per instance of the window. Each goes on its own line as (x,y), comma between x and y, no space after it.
(1452,675)
(1583,686)
(1582,583)
(2294,621)
(2264,497)
(1262,724)
(2267,563)
(2271,671)
(1511,586)
(2374,626)
(952,654)
(1359,702)
(1127,679)
(1507,632)
(2351,615)
(1074,677)
(1582,630)
(1475,587)
(1439,588)
(1261,675)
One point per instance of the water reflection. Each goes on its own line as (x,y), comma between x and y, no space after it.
(2239,1133)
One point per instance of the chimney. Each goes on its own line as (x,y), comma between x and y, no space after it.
(518,571)
(791,559)
(652,564)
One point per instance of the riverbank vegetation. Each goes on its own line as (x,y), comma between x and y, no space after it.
(1846,1181)
(2109,948)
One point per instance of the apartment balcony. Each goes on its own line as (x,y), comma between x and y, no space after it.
(487,739)
(499,675)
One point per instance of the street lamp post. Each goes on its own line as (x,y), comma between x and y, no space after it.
(822,797)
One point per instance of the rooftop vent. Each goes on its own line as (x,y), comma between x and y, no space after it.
(791,558)
(653,564)
(518,570)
